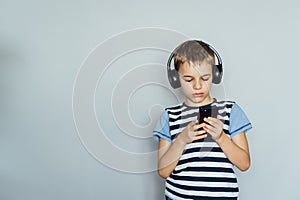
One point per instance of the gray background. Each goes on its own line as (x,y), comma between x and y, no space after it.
(43,44)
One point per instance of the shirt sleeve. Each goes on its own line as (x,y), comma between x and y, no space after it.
(238,121)
(162,129)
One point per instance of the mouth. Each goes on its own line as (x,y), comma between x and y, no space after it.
(198,94)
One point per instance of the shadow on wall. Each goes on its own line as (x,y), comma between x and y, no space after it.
(158,182)
(12,71)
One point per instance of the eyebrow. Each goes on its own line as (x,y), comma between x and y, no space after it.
(187,76)
(190,76)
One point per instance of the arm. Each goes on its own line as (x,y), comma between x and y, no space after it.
(236,149)
(170,153)
(168,156)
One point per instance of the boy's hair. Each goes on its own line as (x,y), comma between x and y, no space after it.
(194,52)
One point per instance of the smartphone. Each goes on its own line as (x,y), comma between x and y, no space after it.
(207,112)
(203,113)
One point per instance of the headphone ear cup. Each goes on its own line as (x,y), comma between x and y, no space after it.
(217,74)
(173,78)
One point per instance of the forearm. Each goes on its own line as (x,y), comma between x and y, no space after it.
(170,153)
(169,160)
(238,156)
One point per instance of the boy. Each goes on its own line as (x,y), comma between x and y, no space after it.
(196,157)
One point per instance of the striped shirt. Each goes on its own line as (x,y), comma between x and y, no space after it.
(203,170)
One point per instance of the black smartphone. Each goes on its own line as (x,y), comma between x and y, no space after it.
(203,113)
(207,112)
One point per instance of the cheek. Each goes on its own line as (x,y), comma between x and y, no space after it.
(185,86)
(207,84)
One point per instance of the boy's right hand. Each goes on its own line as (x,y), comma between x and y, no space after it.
(190,133)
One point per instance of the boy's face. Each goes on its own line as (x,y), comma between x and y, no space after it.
(196,82)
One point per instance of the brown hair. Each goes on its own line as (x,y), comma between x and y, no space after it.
(194,52)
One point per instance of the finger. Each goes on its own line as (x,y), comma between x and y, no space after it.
(206,120)
(200,137)
(209,122)
(201,132)
(199,126)
(214,122)
(211,119)
(210,129)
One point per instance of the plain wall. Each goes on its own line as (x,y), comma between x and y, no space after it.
(43,45)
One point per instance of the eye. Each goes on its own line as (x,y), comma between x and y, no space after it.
(205,78)
(188,80)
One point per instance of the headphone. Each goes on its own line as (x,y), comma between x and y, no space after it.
(217,69)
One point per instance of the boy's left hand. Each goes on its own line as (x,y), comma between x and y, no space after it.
(214,127)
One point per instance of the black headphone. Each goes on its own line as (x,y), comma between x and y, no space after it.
(217,70)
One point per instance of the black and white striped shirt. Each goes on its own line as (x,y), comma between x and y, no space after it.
(203,171)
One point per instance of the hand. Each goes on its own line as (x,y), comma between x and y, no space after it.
(190,133)
(214,127)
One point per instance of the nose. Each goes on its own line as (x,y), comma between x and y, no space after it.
(197,84)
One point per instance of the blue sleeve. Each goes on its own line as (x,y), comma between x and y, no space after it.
(162,129)
(238,121)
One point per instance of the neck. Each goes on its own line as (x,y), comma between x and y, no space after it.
(206,101)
